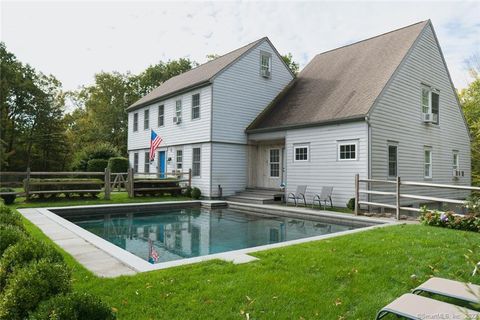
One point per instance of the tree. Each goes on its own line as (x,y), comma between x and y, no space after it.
(294,66)
(212,56)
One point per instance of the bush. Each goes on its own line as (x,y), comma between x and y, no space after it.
(10,235)
(97,165)
(118,164)
(24,252)
(73,306)
(351,204)
(187,192)
(450,220)
(8,198)
(97,151)
(473,205)
(65,184)
(28,286)
(196,193)
(8,217)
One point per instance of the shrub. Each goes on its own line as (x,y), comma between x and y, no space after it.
(196,193)
(187,192)
(97,165)
(351,204)
(118,164)
(28,286)
(8,217)
(473,205)
(65,184)
(24,252)
(10,235)
(450,220)
(97,151)
(8,198)
(73,306)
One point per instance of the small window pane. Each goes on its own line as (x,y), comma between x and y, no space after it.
(301,153)
(196,162)
(161,115)
(146,120)
(178,109)
(428,164)
(135,162)
(147,163)
(179,159)
(435,105)
(196,106)
(425,100)
(347,152)
(135,122)
(392,161)
(274,163)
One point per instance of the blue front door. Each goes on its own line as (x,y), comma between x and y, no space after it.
(161,166)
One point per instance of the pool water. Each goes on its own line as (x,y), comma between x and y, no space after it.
(191,232)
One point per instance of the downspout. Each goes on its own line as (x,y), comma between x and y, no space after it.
(211,140)
(369,144)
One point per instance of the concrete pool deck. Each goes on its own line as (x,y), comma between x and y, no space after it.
(105,259)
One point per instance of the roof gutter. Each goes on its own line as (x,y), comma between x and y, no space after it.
(169,95)
(308,125)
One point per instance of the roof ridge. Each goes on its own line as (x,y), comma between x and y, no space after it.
(370,38)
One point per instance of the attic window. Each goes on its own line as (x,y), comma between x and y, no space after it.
(265,64)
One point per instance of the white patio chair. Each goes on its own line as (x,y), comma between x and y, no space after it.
(298,195)
(324,196)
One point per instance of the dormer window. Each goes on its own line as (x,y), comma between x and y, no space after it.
(265,64)
(430,105)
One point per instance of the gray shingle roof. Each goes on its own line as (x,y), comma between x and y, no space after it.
(340,84)
(194,77)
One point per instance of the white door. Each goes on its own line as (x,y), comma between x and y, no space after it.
(271,172)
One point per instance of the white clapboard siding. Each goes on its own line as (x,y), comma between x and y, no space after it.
(324,168)
(189,131)
(241,93)
(229,168)
(397,117)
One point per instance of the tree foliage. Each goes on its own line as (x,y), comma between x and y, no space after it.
(288,59)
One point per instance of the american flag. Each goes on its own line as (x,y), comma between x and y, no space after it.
(155,141)
(152,253)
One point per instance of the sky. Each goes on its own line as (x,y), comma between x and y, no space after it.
(75,40)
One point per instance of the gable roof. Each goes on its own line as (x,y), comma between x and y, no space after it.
(341,84)
(195,77)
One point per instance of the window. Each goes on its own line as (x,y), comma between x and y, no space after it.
(196,162)
(161,115)
(300,153)
(146,120)
(427,163)
(347,150)
(265,64)
(456,161)
(274,162)
(146,168)
(135,122)
(196,106)
(178,110)
(135,162)
(179,159)
(392,161)
(430,102)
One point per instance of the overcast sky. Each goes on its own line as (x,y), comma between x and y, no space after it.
(75,40)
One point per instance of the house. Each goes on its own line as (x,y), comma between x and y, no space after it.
(382,107)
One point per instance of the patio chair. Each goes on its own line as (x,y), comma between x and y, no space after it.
(298,195)
(415,307)
(324,196)
(449,288)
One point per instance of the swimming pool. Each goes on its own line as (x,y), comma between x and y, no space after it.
(159,234)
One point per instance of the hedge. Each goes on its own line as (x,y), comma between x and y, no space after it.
(97,165)
(450,220)
(8,217)
(65,184)
(95,151)
(118,164)
(10,235)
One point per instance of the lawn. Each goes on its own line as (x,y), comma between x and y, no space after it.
(348,277)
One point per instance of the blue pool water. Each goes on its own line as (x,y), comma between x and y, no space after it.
(191,232)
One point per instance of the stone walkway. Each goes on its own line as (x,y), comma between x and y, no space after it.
(98,261)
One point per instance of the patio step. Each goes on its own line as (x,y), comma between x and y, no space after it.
(256,196)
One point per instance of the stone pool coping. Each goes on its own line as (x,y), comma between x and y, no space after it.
(107,260)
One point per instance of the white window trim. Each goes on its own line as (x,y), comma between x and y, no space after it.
(430,173)
(430,100)
(345,143)
(176,158)
(457,154)
(158,115)
(144,118)
(279,164)
(301,146)
(178,112)
(199,103)
(133,122)
(146,165)
(392,144)
(269,67)
(200,162)
(136,160)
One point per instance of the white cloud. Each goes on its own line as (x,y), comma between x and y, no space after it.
(74,40)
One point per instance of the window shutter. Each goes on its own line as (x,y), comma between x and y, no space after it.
(435,105)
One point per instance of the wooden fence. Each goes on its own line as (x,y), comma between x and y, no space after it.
(121,181)
(397,194)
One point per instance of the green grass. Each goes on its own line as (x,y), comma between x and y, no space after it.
(348,277)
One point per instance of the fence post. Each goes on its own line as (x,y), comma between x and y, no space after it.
(26,186)
(107,183)
(130,183)
(357,192)
(190,177)
(397,213)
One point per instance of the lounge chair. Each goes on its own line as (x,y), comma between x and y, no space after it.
(324,196)
(415,307)
(298,195)
(450,288)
